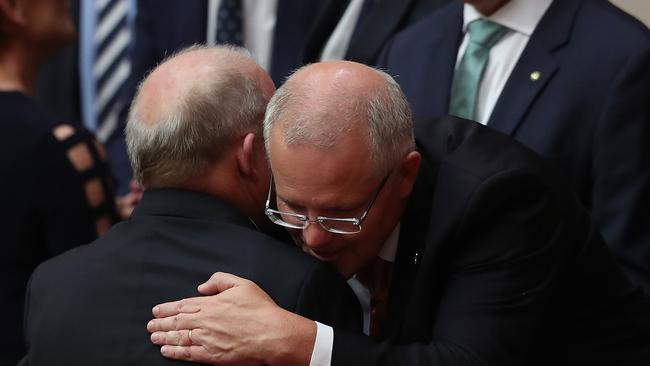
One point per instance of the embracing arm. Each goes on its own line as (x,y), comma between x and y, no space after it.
(512,249)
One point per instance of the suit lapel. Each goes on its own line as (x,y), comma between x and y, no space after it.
(382,22)
(324,26)
(413,230)
(536,67)
(440,64)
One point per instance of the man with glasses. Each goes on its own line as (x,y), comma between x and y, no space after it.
(469,247)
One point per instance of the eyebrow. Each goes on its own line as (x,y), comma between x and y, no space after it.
(335,208)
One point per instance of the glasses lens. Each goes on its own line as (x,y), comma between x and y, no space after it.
(340,227)
(286,220)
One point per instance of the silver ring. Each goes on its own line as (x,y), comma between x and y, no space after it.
(189,336)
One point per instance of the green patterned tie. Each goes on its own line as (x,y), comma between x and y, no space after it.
(483,34)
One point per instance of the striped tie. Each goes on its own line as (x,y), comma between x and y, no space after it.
(112,65)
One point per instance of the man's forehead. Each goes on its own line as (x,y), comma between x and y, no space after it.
(304,173)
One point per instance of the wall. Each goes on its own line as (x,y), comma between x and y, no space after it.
(638,8)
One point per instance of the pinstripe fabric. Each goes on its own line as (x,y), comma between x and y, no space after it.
(112,65)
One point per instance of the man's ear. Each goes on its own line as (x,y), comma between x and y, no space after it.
(408,172)
(246,154)
(11,14)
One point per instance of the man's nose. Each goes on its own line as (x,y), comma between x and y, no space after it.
(315,237)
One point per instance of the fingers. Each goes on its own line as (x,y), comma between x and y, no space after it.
(220,282)
(191,305)
(191,353)
(175,322)
(176,338)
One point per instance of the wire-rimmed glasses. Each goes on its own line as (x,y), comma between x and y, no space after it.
(336,225)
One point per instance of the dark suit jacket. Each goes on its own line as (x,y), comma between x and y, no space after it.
(498,264)
(385,18)
(589,113)
(90,306)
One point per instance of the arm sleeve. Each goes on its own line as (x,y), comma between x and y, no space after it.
(69,217)
(326,298)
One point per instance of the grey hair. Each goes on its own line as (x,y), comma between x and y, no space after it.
(202,125)
(390,128)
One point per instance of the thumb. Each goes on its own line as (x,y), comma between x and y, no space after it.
(220,282)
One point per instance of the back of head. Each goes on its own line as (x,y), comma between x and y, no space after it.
(189,110)
(322,103)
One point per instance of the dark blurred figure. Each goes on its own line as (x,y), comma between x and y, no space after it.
(568,78)
(54,184)
(358,29)
(57,85)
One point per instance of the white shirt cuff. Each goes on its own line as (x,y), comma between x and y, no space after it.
(322,353)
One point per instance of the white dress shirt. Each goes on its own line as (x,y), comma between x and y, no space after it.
(521,18)
(324,344)
(337,45)
(259,23)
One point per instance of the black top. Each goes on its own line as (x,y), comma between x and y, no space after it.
(43,200)
(102,294)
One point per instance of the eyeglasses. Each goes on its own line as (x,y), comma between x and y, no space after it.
(334,225)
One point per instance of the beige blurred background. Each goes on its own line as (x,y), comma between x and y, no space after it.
(638,8)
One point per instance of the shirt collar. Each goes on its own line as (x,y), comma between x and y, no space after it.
(521,16)
(389,250)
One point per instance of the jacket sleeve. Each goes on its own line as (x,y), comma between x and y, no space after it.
(76,200)
(326,298)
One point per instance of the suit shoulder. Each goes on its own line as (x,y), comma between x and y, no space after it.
(75,265)
(611,28)
(432,25)
(477,150)
(56,269)
(286,254)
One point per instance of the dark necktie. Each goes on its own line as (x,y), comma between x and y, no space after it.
(376,277)
(230,27)
(483,35)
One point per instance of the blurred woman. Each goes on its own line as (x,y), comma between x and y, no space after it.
(54,183)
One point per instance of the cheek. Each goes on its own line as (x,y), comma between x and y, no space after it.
(296,235)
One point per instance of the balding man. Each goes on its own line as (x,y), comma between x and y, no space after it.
(494,262)
(194,139)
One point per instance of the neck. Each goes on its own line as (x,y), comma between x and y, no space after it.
(18,68)
(237,192)
(487,7)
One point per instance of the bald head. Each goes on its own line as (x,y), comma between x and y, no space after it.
(324,102)
(190,72)
(189,109)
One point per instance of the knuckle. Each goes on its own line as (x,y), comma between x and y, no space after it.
(175,338)
(187,353)
(181,305)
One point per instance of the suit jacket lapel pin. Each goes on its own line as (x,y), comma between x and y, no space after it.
(535,75)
